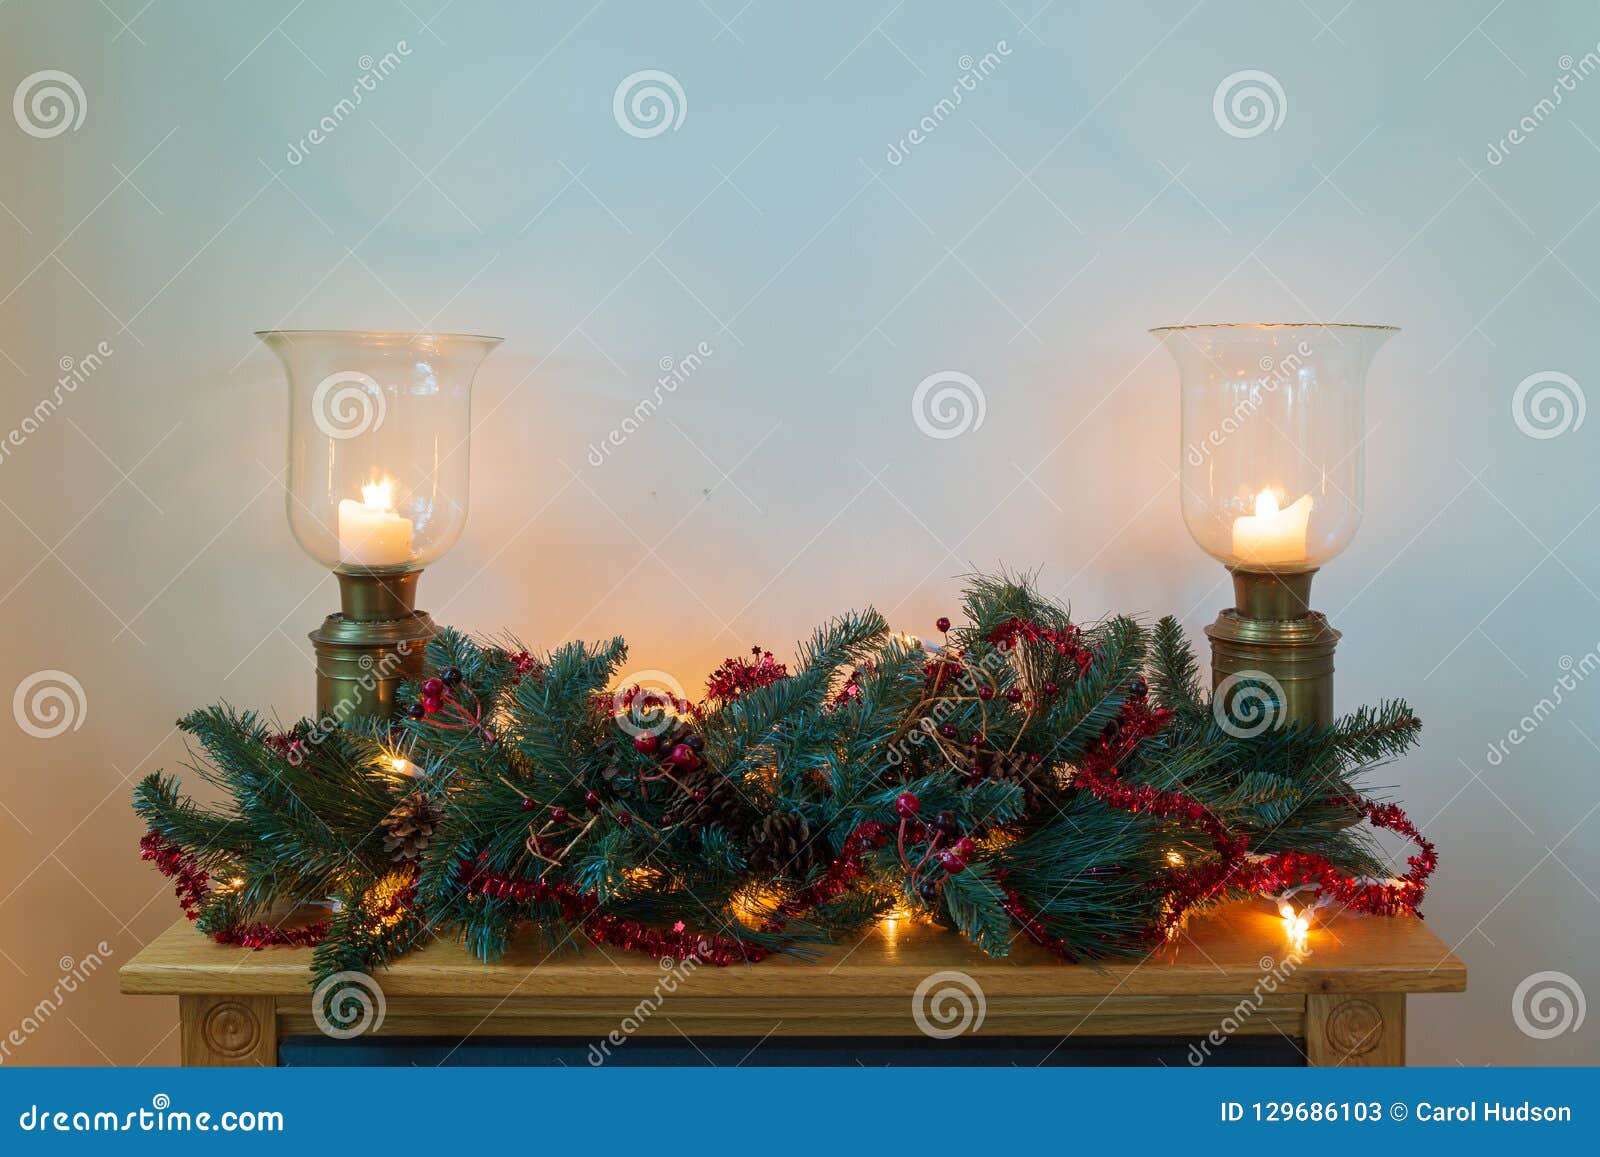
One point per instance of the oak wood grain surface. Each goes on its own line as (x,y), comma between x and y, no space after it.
(1225,952)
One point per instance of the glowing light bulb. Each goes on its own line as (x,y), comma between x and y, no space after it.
(1296,926)
(898,912)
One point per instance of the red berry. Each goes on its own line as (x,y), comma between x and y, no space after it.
(964,847)
(907,805)
(700,795)
(943,624)
(646,743)
(1014,695)
(527,804)
(952,862)
(591,800)
(683,756)
(558,814)
(624,819)
(1050,688)
(986,693)
(433,687)
(948,730)
(431,703)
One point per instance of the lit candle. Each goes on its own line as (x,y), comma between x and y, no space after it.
(370,532)
(1271,535)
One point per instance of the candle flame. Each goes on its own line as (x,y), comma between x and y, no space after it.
(378,495)
(1267,504)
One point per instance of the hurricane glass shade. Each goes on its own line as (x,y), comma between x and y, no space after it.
(1273,431)
(378,429)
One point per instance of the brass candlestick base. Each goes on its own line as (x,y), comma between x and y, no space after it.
(1271,630)
(371,646)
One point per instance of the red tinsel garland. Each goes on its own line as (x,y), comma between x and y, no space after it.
(1098,774)
(192,887)
(1291,869)
(679,943)
(1032,927)
(577,907)
(846,867)
(738,675)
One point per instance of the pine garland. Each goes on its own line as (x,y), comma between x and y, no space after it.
(1030,777)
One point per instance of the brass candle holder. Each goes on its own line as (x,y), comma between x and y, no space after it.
(373,643)
(379,424)
(1272,481)
(1272,631)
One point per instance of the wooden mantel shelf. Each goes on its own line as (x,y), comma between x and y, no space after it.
(1345,998)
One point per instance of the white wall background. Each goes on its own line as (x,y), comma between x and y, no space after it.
(1083,192)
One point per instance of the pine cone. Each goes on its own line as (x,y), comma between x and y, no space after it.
(1037,778)
(720,802)
(782,845)
(409,827)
